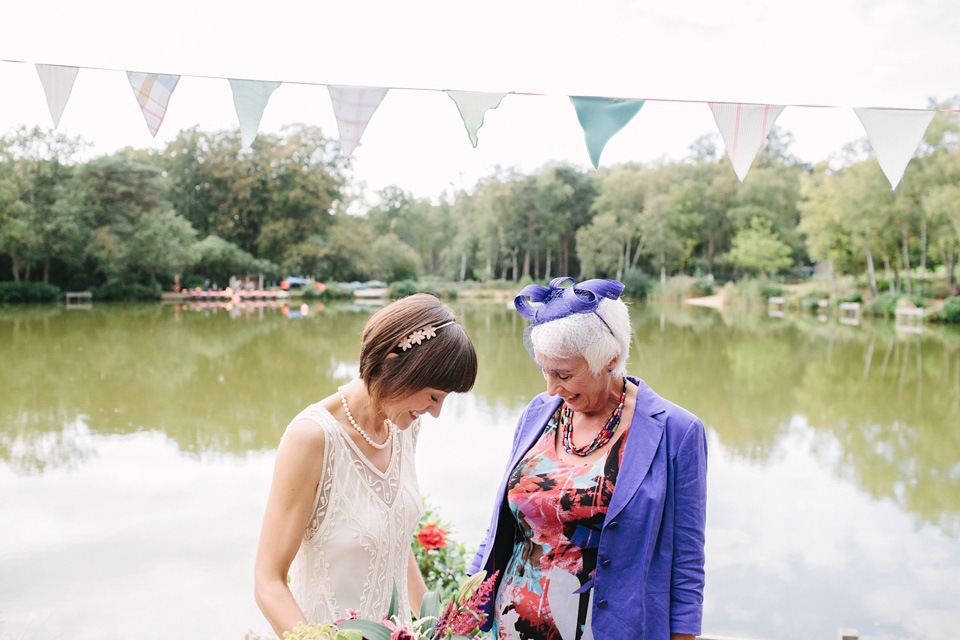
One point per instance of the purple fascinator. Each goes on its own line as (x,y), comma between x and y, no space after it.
(564,297)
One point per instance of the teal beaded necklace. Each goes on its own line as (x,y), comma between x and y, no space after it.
(603,436)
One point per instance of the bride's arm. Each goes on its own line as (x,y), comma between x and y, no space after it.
(296,475)
(416,587)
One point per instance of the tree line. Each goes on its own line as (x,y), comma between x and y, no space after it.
(207,208)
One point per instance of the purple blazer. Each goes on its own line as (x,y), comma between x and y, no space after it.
(649,578)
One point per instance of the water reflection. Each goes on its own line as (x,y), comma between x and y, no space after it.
(834,491)
(227,379)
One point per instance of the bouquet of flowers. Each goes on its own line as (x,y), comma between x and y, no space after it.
(459,619)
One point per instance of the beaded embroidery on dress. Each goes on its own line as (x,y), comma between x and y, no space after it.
(357,541)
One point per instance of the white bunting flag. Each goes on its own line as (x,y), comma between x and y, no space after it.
(153,91)
(250,99)
(472,106)
(894,135)
(744,127)
(57,84)
(353,107)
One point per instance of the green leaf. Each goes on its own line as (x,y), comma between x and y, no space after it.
(351,634)
(371,630)
(430,607)
(394,603)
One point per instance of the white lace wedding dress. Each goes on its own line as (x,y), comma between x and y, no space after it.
(357,542)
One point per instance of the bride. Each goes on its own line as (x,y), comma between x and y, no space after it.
(344,501)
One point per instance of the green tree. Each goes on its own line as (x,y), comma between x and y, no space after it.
(396,260)
(218,260)
(758,248)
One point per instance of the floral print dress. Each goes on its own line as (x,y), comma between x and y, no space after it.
(559,509)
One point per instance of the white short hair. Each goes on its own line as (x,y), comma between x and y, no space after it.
(599,337)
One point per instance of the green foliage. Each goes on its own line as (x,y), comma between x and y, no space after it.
(851,297)
(397,260)
(218,260)
(281,207)
(405,288)
(704,287)
(330,292)
(26,291)
(950,312)
(445,568)
(759,249)
(116,292)
(637,284)
(883,305)
(769,291)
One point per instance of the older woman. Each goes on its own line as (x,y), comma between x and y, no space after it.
(598,526)
(344,501)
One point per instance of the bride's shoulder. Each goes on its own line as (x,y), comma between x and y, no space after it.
(311,427)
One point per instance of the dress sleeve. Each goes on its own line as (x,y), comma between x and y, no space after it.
(690,491)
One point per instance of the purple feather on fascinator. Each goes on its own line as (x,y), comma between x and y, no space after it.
(564,297)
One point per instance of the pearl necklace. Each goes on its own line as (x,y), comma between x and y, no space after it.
(346,409)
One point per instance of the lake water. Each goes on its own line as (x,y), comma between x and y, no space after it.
(137,443)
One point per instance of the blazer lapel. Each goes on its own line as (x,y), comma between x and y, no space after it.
(533,429)
(646,432)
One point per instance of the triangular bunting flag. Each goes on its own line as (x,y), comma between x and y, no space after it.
(250,99)
(353,107)
(57,84)
(472,106)
(744,127)
(601,118)
(894,135)
(153,91)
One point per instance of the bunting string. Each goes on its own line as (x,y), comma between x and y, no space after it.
(894,134)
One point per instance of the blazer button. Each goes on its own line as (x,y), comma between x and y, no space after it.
(602,604)
(612,525)
(605,563)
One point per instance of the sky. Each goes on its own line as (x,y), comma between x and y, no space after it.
(677,54)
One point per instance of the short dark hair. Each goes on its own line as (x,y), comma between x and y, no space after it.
(446,362)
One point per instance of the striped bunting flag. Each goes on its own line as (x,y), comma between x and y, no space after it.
(57,84)
(744,127)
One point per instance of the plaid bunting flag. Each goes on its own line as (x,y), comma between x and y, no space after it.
(57,84)
(744,127)
(153,91)
(353,107)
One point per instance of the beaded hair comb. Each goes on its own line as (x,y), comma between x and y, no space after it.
(420,335)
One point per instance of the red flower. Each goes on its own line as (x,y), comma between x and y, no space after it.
(432,537)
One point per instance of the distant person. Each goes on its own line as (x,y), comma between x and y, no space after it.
(598,525)
(344,502)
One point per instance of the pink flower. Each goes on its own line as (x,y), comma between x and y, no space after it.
(432,537)
(351,615)
(466,618)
